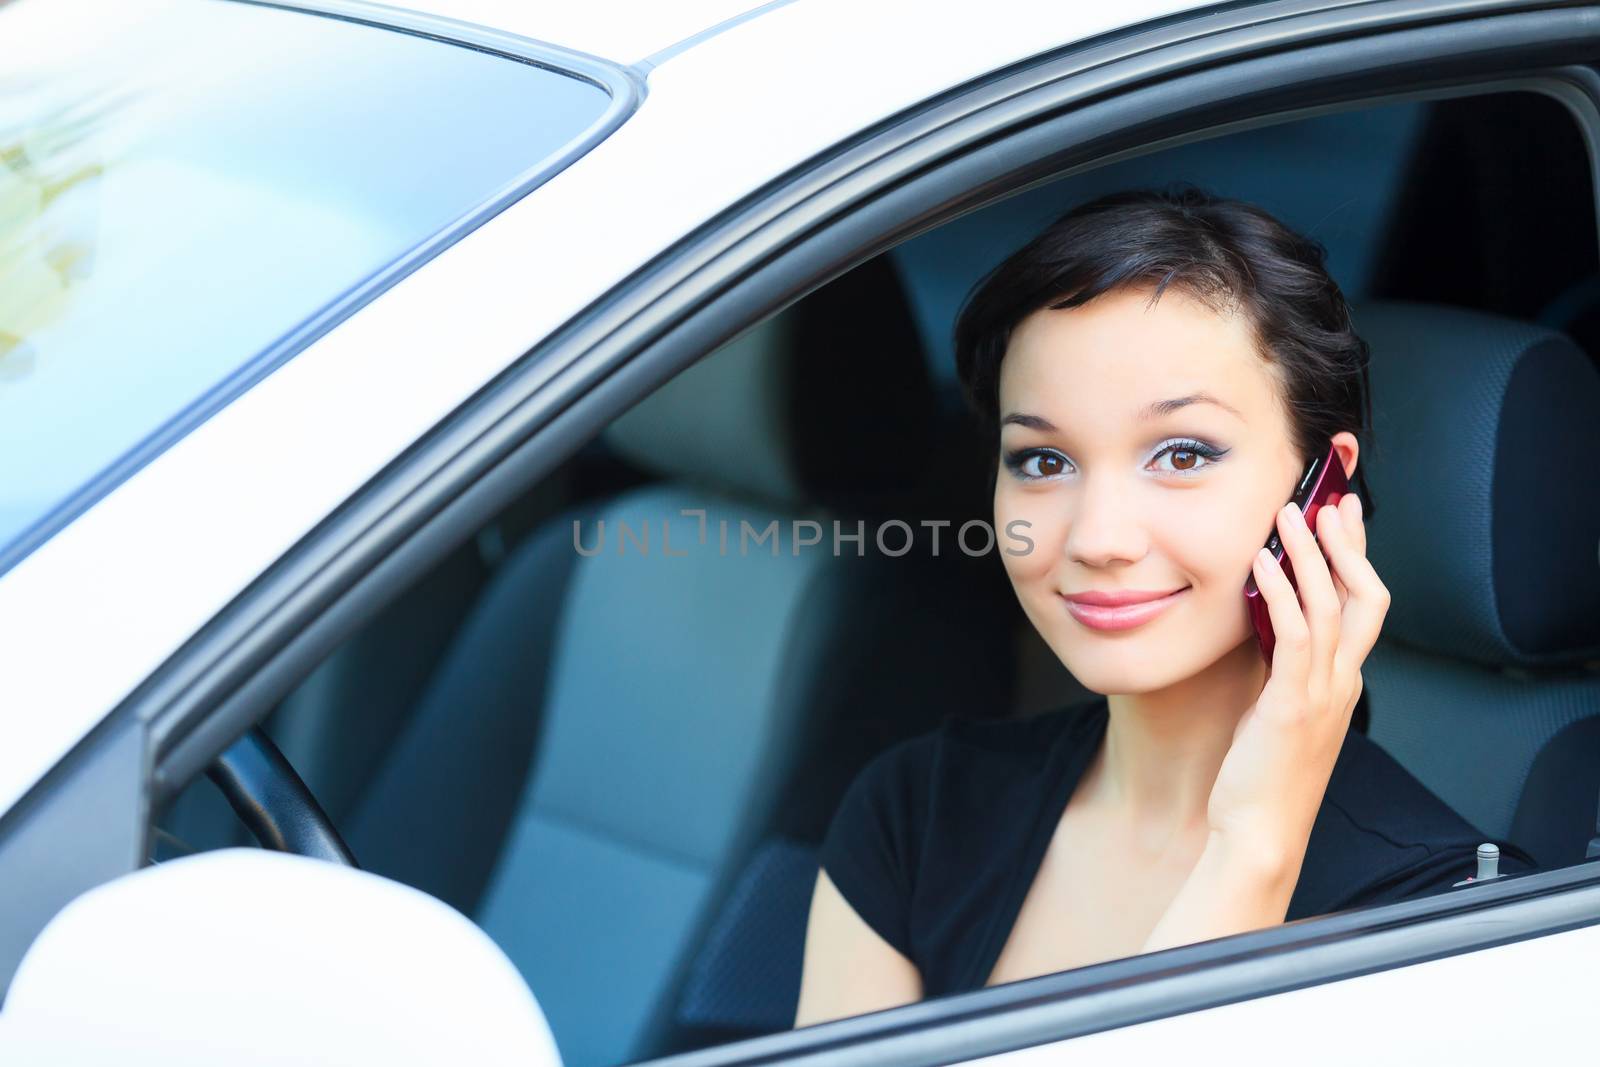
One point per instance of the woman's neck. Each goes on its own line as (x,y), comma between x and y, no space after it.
(1163,748)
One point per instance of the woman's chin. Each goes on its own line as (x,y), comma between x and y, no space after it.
(1144,666)
(1125,669)
(1127,685)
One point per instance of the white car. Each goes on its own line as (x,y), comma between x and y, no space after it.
(351,356)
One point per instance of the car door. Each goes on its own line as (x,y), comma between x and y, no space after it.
(1159,83)
(175,237)
(205,508)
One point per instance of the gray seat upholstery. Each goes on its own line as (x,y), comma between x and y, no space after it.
(1486,535)
(612,731)
(1336,177)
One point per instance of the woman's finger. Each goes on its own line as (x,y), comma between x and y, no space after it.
(1364,612)
(1336,517)
(1350,512)
(1317,595)
(1291,651)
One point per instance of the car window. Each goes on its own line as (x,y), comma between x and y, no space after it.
(186,186)
(616,727)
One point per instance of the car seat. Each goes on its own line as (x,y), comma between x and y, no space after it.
(1483,683)
(611,731)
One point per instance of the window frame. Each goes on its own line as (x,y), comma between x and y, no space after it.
(1182,78)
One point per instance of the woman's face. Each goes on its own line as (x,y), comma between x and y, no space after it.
(1121,497)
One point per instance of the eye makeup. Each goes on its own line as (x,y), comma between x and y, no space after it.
(1207,454)
(1018,462)
(1029,464)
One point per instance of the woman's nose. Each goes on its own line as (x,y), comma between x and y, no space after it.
(1104,527)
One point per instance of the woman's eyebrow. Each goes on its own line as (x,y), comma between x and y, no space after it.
(1149,411)
(1167,407)
(1032,422)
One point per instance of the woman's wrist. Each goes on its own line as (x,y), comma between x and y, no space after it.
(1241,882)
(1270,861)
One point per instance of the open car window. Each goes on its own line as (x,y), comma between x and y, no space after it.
(615,725)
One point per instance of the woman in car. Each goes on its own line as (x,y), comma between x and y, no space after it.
(1157,369)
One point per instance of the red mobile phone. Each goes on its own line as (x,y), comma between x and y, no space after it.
(1322,482)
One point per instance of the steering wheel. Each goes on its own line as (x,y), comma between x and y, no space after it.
(272,800)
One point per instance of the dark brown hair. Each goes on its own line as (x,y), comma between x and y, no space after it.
(1227,254)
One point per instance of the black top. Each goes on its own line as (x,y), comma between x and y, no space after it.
(939,838)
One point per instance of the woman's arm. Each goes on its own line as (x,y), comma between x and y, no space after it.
(1229,891)
(1272,780)
(848,969)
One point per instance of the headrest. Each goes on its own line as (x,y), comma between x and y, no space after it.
(1488,525)
(827,402)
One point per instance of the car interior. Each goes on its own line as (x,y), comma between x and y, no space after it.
(620,764)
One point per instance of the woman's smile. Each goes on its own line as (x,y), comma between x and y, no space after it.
(1119,611)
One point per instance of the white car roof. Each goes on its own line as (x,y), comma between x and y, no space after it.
(623,31)
(89,614)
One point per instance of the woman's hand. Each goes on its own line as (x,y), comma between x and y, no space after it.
(1270,785)
(1271,782)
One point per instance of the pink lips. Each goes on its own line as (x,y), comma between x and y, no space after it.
(1119,610)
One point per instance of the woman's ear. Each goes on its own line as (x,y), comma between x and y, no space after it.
(1344,442)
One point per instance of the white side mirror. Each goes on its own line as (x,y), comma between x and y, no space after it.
(248,957)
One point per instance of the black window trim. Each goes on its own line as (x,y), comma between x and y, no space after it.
(999,134)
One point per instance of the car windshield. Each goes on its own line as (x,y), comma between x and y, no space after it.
(191,190)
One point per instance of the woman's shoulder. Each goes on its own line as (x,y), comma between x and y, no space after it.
(941,806)
(1029,738)
(1382,835)
(1379,796)
(961,757)
(958,771)
(963,742)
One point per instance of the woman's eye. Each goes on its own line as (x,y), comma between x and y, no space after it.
(1037,463)
(1186,457)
